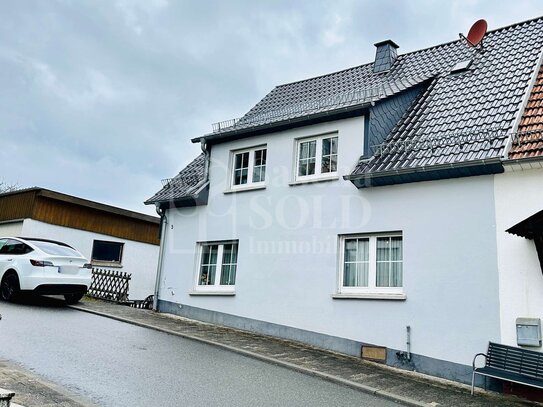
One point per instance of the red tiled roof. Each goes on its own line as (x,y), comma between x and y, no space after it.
(529,141)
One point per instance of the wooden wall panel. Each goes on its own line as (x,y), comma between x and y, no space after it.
(17,206)
(80,217)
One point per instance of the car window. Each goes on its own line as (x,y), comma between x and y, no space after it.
(55,249)
(2,243)
(14,247)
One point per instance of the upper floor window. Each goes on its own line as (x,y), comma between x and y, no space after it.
(316,157)
(249,167)
(371,264)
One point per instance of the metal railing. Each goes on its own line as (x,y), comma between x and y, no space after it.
(357,96)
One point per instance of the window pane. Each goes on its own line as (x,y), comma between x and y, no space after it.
(241,168)
(383,244)
(311,167)
(104,251)
(304,150)
(329,155)
(389,262)
(229,264)
(363,252)
(244,173)
(383,273)
(208,264)
(396,248)
(350,249)
(326,146)
(307,158)
(396,274)
(333,163)
(312,148)
(334,145)
(260,157)
(325,164)
(355,275)
(228,275)
(356,266)
(259,168)
(302,170)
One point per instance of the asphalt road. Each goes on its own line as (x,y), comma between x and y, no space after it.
(111,363)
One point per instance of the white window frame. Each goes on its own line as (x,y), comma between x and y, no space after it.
(318,158)
(250,184)
(372,269)
(216,287)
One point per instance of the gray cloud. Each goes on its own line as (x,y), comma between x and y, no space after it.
(100,98)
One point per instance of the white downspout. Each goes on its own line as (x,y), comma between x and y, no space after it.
(163,223)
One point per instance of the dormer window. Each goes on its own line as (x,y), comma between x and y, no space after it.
(248,167)
(316,157)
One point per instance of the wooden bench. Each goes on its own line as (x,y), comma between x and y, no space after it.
(511,364)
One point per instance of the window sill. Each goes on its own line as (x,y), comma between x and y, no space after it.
(313,180)
(214,293)
(106,264)
(369,296)
(248,188)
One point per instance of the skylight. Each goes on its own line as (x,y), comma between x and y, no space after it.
(461,66)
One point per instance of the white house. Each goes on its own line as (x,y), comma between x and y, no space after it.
(367,207)
(112,238)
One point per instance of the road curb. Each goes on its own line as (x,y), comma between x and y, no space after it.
(326,376)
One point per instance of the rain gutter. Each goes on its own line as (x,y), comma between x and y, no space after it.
(427,173)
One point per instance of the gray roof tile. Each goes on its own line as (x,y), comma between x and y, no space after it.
(448,123)
(184,184)
(487,97)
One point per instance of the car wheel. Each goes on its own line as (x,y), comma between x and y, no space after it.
(9,287)
(73,298)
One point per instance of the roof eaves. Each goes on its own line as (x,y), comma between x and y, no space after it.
(278,125)
(47,193)
(193,193)
(432,172)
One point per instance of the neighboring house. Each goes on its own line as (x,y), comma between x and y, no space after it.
(368,206)
(112,238)
(519,220)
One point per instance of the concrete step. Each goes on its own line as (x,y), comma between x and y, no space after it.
(5,398)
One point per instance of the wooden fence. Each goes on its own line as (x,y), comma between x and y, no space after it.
(111,285)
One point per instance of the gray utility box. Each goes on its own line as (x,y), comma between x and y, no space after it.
(528,331)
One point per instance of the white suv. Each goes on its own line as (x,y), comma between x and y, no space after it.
(43,267)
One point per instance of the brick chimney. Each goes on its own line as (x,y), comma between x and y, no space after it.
(385,55)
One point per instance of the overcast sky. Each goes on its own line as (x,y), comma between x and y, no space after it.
(99,99)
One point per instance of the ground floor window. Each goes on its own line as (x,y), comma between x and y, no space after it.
(371,264)
(218,264)
(107,252)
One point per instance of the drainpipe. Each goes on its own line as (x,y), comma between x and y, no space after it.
(205,150)
(163,223)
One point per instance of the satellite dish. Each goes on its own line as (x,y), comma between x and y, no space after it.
(476,33)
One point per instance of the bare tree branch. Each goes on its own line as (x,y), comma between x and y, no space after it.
(5,187)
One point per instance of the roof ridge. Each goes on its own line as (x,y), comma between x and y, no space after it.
(407,53)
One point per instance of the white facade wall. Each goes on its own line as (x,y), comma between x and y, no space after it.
(288,242)
(139,259)
(519,195)
(11,228)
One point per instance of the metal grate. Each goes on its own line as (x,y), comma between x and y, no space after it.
(147,303)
